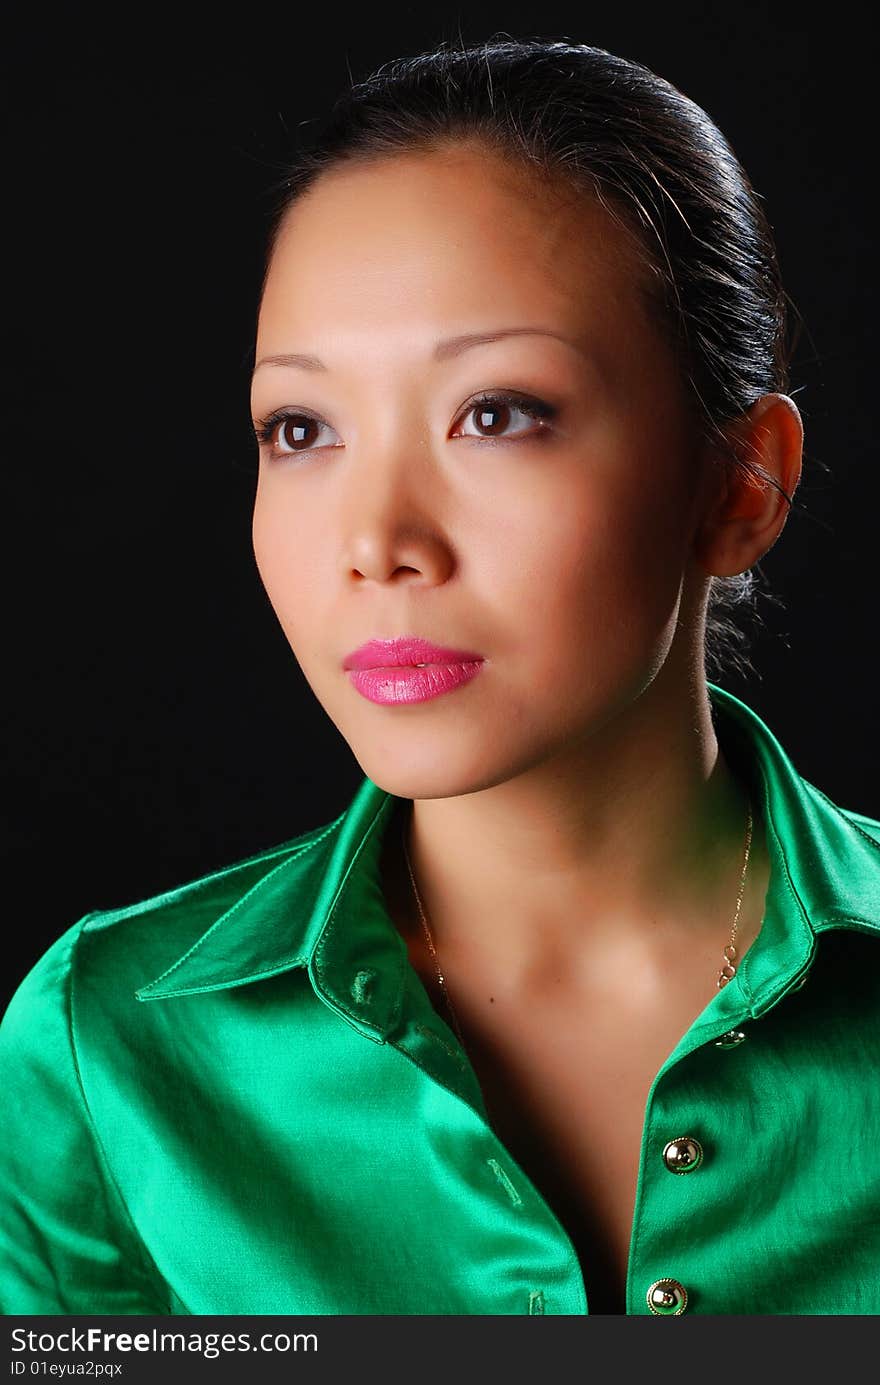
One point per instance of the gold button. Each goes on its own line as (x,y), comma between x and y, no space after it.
(730,1039)
(667,1298)
(683,1154)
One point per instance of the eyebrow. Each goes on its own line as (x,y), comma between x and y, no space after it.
(443,350)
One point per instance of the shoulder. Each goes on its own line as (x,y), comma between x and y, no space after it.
(70,1039)
(866,827)
(870,827)
(112,948)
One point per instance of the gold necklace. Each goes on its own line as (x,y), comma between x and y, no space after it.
(728,970)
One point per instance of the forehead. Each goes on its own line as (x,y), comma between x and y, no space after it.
(448,236)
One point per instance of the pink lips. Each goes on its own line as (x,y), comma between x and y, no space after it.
(387,672)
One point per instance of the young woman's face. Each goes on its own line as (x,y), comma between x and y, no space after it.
(529,496)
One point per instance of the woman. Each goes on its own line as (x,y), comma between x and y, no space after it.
(526,1028)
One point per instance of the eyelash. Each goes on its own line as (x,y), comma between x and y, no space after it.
(527,404)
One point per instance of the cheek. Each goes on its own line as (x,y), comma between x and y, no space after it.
(591,546)
(284,560)
(268,548)
(593,573)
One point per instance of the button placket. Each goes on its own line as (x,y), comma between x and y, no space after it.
(668,1297)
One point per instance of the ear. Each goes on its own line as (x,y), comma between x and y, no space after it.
(746,514)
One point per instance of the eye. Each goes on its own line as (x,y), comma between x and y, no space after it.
(291,430)
(493,413)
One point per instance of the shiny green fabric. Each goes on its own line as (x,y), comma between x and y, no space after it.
(237,1097)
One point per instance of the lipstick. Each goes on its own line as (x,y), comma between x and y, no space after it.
(409,669)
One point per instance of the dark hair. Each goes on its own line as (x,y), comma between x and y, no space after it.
(660,167)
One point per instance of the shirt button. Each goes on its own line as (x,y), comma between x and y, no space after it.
(667,1297)
(730,1039)
(683,1154)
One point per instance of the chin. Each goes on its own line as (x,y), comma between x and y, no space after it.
(424,775)
(446,763)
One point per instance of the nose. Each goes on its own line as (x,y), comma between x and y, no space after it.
(393,527)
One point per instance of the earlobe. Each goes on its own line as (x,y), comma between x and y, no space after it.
(751,506)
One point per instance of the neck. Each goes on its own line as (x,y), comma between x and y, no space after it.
(630,849)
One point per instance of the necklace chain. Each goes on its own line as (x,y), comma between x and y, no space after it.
(727,972)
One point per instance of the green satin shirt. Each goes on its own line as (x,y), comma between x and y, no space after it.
(237,1098)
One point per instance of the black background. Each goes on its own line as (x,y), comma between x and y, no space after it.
(158,725)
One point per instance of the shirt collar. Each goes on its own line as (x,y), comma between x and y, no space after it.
(320,905)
